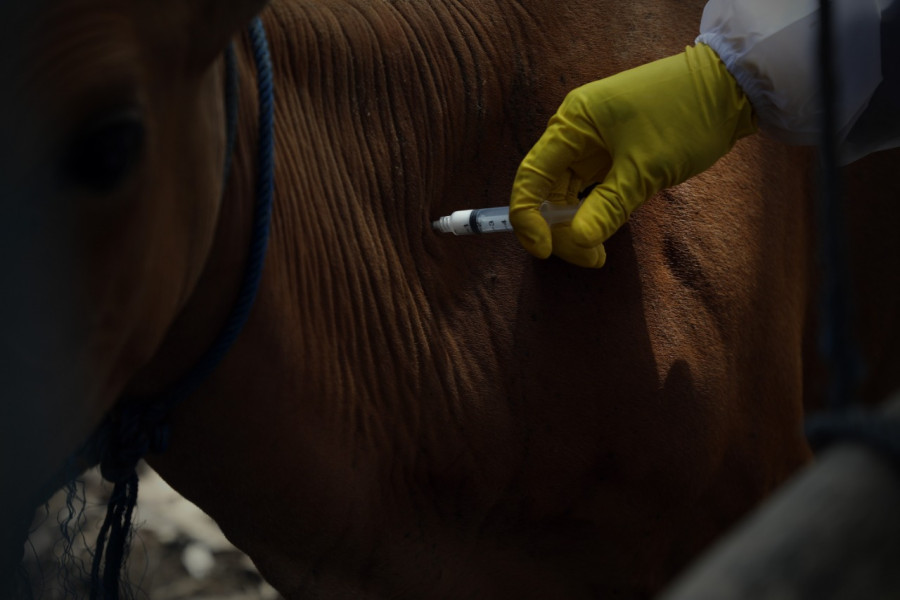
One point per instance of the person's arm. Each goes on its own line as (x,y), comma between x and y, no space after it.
(878,128)
(634,134)
(656,125)
(771,48)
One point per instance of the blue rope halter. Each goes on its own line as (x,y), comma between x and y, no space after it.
(135,428)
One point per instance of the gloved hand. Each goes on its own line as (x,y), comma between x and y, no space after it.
(635,133)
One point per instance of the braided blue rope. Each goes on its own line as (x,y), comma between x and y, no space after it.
(261,218)
(135,428)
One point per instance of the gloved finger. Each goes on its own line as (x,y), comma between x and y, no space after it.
(569,137)
(564,247)
(532,231)
(544,174)
(530,227)
(609,205)
(566,190)
(593,166)
(531,188)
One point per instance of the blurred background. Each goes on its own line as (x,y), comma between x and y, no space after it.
(178,552)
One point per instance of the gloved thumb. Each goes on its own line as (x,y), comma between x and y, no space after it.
(531,229)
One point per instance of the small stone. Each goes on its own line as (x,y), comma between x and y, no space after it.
(198,560)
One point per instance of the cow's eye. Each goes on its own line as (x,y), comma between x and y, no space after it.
(103,152)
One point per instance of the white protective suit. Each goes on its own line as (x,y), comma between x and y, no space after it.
(771,49)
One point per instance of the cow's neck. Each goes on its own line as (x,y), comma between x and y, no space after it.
(375,111)
(381,101)
(388,115)
(382,113)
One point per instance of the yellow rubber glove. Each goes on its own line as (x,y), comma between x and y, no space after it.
(634,133)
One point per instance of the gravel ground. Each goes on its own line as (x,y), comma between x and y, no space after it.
(178,552)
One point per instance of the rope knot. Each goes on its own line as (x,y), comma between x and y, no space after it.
(133,432)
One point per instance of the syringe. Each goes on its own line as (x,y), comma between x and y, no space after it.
(496,219)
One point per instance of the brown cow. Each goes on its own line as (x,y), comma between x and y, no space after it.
(405,415)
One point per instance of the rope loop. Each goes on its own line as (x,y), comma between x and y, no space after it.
(135,428)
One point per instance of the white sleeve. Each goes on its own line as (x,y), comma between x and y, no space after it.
(770,47)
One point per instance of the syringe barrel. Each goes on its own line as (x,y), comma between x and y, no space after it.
(490,220)
(476,220)
(496,219)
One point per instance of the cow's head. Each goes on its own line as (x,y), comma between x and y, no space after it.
(112,148)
